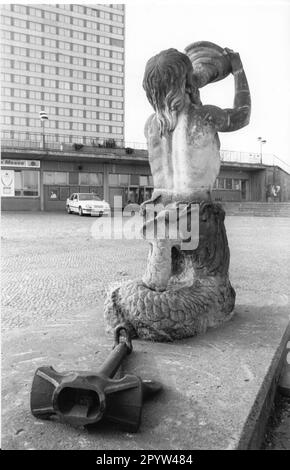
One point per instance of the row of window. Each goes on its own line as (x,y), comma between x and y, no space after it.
(26,183)
(64,85)
(64,72)
(81,9)
(95,179)
(58,97)
(58,57)
(57,43)
(228,183)
(58,139)
(63,125)
(53,111)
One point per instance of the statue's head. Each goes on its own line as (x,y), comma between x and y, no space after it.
(168,79)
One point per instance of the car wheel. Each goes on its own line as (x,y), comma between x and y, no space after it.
(80,211)
(68,210)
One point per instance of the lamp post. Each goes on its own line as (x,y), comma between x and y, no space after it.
(43,117)
(262,141)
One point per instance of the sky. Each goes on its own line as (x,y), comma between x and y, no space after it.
(258,29)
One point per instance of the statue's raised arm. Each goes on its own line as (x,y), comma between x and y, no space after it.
(233,119)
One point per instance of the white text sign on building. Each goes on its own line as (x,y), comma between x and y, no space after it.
(20,163)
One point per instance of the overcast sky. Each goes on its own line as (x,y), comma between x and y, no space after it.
(258,29)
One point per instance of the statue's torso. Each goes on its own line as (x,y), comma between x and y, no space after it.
(188,158)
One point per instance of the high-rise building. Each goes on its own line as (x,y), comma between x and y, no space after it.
(68,61)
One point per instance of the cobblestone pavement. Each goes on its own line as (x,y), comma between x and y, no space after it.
(53,269)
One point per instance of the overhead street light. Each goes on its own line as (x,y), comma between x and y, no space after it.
(43,117)
(262,142)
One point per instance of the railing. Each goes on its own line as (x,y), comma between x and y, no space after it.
(62,143)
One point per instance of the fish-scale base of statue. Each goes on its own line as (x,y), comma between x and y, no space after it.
(171,314)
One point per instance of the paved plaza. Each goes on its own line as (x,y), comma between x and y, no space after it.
(55,273)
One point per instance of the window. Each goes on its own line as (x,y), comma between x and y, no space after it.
(6,20)
(117,55)
(64,19)
(34,81)
(50,56)
(104,103)
(20,37)
(117,18)
(117,80)
(116,92)
(20,79)
(19,9)
(64,45)
(64,32)
(221,183)
(78,35)
(78,22)
(123,180)
(20,107)
(64,58)
(78,48)
(104,15)
(91,102)
(104,91)
(48,69)
(6,105)
(91,63)
(117,117)
(49,15)
(105,27)
(55,177)
(49,29)
(104,40)
(91,115)
(104,116)
(64,85)
(91,89)
(104,78)
(78,86)
(49,96)
(33,67)
(116,30)
(33,26)
(229,183)
(78,74)
(91,50)
(22,51)
(36,54)
(63,111)
(26,183)
(91,76)
(94,179)
(78,100)
(36,40)
(35,12)
(78,113)
(117,104)
(117,130)
(105,65)
(79,9)
(113,179)
(143,180)
(34,108)
(78,126)
(19,93)
(49,83)
(65,98)
(92,37)
(64,125)
(78,61)
(117,42)
(49,42)
(6,120)
(237,185)
(104,53)
(105,129)
(35,95)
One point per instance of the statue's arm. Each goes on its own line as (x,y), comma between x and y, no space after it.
(232,119)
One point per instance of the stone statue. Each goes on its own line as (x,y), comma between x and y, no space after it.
(184,291)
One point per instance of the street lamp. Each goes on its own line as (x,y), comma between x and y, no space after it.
(262,141)
(43,117)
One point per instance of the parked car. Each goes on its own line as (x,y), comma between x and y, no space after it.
(87,203)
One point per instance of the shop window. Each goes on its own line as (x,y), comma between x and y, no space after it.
(229,183)
(93,179)
(124,180)
(26,183)
(55,177)
(113,179)
(134,180)
(143,180)
(221,183)
(64,193)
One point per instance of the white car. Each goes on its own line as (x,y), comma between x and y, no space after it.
(87,203)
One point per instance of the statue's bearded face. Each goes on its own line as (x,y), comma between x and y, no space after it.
(168,78)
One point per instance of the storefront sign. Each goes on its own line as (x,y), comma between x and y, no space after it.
(7,183)
(21,163)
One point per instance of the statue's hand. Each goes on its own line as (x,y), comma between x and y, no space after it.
(235,59)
